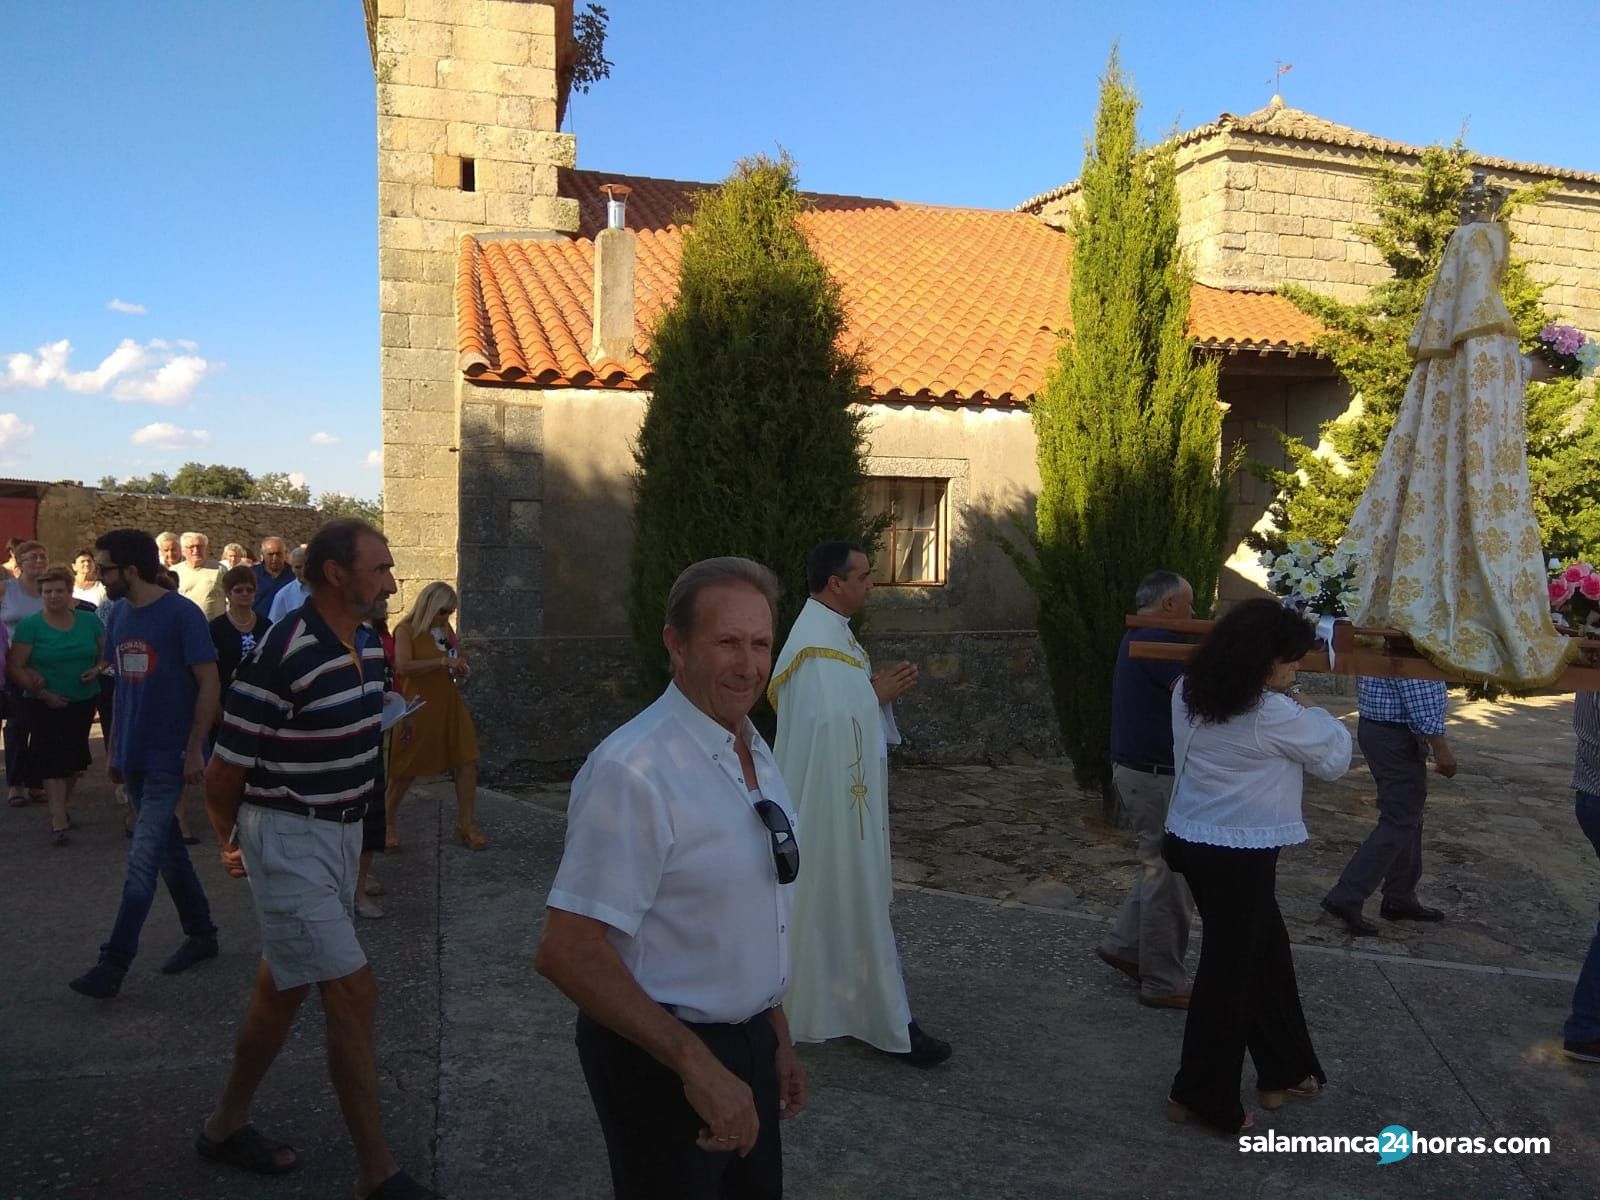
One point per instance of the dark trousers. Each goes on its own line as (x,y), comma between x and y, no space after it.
(106,707)
(156,853)
(1392,853)
(19,770)
(650,1128)
(1244,993)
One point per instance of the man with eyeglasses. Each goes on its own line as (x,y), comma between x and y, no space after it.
(835,726)
(668,921)
(272,574)
(166,703)
(294,593)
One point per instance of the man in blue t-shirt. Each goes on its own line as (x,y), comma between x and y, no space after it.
(1151,934)
(166,702)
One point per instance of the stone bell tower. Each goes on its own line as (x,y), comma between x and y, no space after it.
(469,142)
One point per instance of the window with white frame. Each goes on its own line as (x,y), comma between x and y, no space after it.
(912,553)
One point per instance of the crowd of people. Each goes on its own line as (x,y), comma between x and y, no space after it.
(718,900)
(262,681)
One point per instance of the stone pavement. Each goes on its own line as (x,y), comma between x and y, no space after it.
(1058,1078)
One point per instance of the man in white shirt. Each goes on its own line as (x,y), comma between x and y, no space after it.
(835,723)
(668,921)
(292,595)
(199,579)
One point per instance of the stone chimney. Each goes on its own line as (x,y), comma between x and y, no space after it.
(613,281)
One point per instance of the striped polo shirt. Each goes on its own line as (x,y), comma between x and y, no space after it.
(301,719)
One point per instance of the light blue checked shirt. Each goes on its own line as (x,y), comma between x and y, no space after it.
(1418,703)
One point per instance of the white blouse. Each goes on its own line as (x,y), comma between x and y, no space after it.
(1239,782)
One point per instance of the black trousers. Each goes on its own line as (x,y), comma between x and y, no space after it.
(20,772)
(650,1128)
(1244,993)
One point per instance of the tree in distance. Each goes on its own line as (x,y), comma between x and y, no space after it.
(1128,431)
(752,443)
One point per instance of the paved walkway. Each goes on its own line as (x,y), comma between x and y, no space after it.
(1057,1082)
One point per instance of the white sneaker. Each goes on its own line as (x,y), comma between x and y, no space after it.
(369,910)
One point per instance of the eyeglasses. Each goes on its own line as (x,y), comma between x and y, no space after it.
(785,850)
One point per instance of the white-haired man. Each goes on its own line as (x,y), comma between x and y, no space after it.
(200,579)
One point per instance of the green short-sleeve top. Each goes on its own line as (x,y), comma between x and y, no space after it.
(63,655)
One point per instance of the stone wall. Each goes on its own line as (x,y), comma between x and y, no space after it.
(541,704)
(457,80)
(71,517)
(1259,211)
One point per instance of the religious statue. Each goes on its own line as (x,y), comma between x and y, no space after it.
(1448,543)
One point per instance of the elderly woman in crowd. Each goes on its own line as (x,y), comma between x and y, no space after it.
(86,585)
(1242,741)
(20,598)
(239,629)
(233,555)
(57,655)
(439,736)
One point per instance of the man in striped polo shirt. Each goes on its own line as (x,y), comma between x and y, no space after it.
(296,765)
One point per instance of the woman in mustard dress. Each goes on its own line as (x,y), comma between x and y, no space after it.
(439,736)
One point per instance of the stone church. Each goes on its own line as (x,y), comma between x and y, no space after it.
(512,320)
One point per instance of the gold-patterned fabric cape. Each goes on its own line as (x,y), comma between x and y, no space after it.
(1447,542)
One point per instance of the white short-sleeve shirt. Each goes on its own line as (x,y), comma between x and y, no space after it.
(664,845)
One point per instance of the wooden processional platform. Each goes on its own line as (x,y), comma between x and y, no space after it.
(1362,651)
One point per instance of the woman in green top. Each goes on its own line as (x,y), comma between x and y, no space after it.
(56,657)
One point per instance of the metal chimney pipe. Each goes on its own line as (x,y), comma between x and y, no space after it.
(616,195)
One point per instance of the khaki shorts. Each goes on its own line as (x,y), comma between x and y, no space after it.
(302,874)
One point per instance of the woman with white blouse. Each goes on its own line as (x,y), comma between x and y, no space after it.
(1242,740)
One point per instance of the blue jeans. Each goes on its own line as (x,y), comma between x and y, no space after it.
(1584,1023)
(157,850)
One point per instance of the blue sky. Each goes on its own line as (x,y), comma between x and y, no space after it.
(211,164)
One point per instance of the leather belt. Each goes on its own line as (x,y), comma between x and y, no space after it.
(344,814)
(1147,768)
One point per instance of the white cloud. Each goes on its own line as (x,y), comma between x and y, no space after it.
(324,439)
(171,383)
(186,344)
(149,373)
(128,356)
(38,369)
(125,306)
(374,458)
(164,435)
(297,479)
(13,429)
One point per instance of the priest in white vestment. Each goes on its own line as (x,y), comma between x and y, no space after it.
(835,724)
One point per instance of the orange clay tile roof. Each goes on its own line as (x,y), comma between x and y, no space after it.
(1279,122)
(950,305)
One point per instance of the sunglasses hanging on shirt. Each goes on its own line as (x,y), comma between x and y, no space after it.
(785,850)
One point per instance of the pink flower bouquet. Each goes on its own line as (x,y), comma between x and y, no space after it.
(1575,594)
(1569,351)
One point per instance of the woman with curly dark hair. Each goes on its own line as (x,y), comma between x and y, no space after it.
(1242,740)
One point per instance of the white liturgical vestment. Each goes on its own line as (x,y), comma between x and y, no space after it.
(832,748)
(1445,533)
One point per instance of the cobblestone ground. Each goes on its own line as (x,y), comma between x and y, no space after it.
(1503,855)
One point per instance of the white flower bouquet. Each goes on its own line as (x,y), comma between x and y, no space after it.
(1313,579)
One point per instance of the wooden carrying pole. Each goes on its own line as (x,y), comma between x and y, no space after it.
(1362,651)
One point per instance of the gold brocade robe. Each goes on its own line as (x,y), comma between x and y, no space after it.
(1445,533)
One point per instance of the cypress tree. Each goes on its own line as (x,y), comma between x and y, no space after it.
(1416,213)
(751,444)
(1128,430)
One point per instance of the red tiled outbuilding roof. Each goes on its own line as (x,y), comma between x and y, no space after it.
(949,305)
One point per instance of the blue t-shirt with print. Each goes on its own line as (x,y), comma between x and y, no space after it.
(153,649)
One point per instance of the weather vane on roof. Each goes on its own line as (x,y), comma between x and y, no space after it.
(1282,69)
